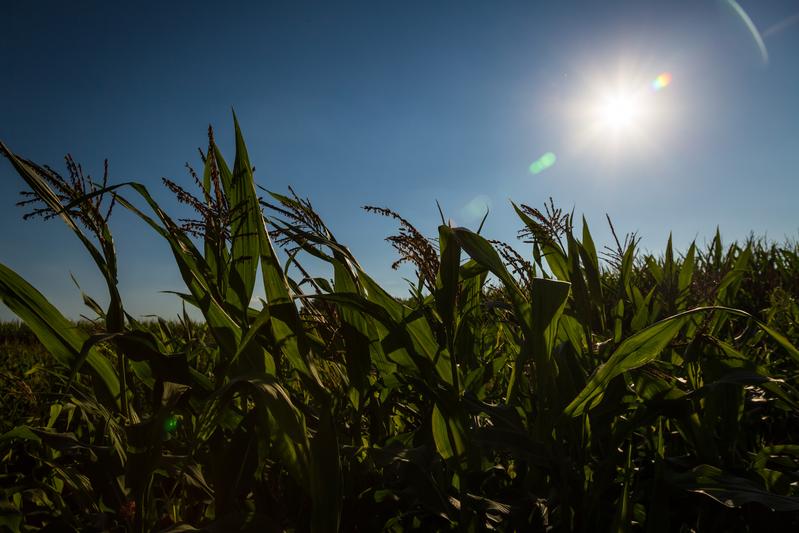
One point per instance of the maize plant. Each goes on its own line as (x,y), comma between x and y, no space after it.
(569,389)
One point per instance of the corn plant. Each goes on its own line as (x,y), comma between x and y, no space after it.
(561,391)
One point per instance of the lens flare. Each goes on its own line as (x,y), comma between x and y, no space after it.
(747,20)
(543,163)
(662,81)
(171,424)
(476,209)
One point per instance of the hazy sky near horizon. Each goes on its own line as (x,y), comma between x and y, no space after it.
(401,103)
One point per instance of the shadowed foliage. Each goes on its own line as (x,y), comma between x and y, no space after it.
(560,391)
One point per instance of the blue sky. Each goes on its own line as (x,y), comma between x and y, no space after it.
(400,104)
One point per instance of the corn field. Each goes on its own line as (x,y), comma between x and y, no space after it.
(571,389)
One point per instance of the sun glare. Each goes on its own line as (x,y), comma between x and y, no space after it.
(615,114)
(620,112)
(617,117)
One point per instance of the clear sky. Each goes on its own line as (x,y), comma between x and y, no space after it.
(403,103)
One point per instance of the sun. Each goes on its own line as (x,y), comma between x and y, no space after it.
(616,117)
(620,112)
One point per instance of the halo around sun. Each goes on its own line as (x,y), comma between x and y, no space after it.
(624,112)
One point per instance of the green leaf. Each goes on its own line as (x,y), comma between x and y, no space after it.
(286,325)
(590,262)
(548,301)
(775,451)
(687,270)
(58,335)
(251,357)
(730,490)
(279,418)
(20,432)
(732,280)
(449,433)
(634,352)
(447,292)
(483,253)
(196,274)
(245,221)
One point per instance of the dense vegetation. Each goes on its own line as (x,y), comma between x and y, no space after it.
(571,390)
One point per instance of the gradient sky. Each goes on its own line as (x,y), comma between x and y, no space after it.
(400,104)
